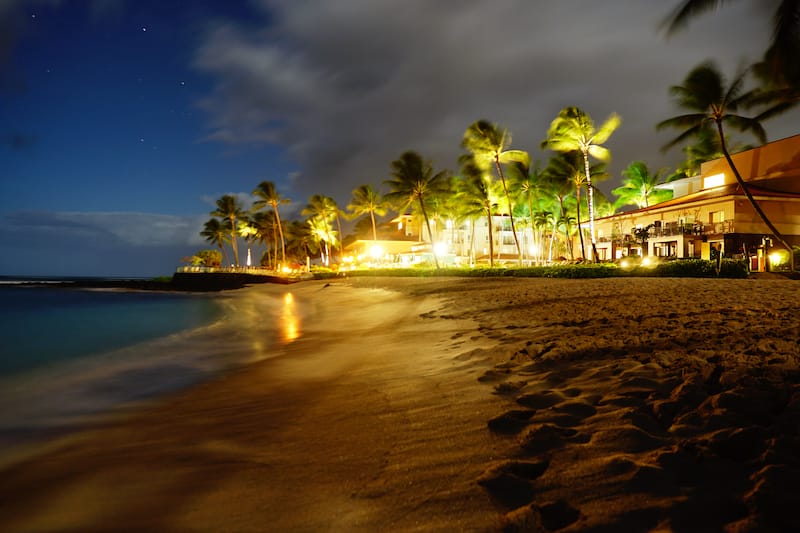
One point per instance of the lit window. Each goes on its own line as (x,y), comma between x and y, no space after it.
(714,181)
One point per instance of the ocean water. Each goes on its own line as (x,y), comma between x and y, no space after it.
(71,358)
(40,326)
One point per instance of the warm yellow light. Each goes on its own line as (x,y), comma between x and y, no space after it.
(647,261)
(776,258)
(624,263)
(714,181)
(440,248)
(285,269)
(290,322)
(376,251)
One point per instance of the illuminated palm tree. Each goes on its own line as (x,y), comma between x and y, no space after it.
(249,231)
(413,180)
(574,130)
(230,209)
(325,207)
(640,187)
(215,232)
(267,195)
(300,243)
(704,93)
(365,201)
(780,59)
(489,145)
(324,234)
(477,195)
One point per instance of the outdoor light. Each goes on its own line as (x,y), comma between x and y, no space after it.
(647,261)
(776,258)
(440,248)
(376,251)
(624,263)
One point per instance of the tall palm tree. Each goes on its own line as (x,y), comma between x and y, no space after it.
(569,167)
(324,234)
(230,209)
(780,59)
(574,130)
(413,180)
(325,207)
(215,232)
(478,197)
(300,243)
(704,93)
(367,200)
(268,195)
(489,144)
(267,232)
(640,186)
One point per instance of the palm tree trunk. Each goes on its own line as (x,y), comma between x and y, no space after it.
(341,237)
(280,233)
(590,202)
(374,229)
(775,233)
(491,237)
(224,253)
(510,210)
(472,245)
(578,219)
(430,235)
(233,242)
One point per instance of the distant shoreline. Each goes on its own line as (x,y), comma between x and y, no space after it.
(179,282)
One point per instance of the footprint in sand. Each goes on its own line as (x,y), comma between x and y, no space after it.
(512,421)
(542,438)
(540,400)
(550,516)
(510,483)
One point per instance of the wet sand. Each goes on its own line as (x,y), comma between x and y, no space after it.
(460,405)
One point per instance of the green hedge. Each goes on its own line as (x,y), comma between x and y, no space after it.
(681,268)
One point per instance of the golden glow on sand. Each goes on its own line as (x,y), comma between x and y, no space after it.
(289,320)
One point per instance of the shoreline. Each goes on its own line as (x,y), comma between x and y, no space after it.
(472,404)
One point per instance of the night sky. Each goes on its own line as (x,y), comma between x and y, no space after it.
(122,121)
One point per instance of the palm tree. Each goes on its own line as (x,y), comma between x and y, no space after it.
(704,93)
(574,130)
(249,231)
(366,200)
(569,166)
(230,209)
(476,194)
(268,195)
(300,243)
(640,187)
(414,181)
(489,145)
(324,234)
(324,207)
(780,59)
(215,232)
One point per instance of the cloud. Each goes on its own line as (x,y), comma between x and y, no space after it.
(75,243)
(347,86)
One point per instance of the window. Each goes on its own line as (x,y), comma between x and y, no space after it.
(713,181)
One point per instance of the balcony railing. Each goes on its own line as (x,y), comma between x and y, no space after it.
(671,229)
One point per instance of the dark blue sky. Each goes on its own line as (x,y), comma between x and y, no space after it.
(122,121)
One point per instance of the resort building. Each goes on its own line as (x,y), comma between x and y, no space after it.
(710,213)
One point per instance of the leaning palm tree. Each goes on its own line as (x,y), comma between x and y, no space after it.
(574,130)
(413,180)
(323,233)
(780,59)
(489,145)
(267,195)
(215,232)
(230,209)
(704,93)
(367,200)
(640,186)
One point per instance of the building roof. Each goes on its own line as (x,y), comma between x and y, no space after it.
(731,189)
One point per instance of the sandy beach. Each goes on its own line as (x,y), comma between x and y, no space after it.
(627,404)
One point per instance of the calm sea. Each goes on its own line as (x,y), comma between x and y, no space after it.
(70,355)
(44,325)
